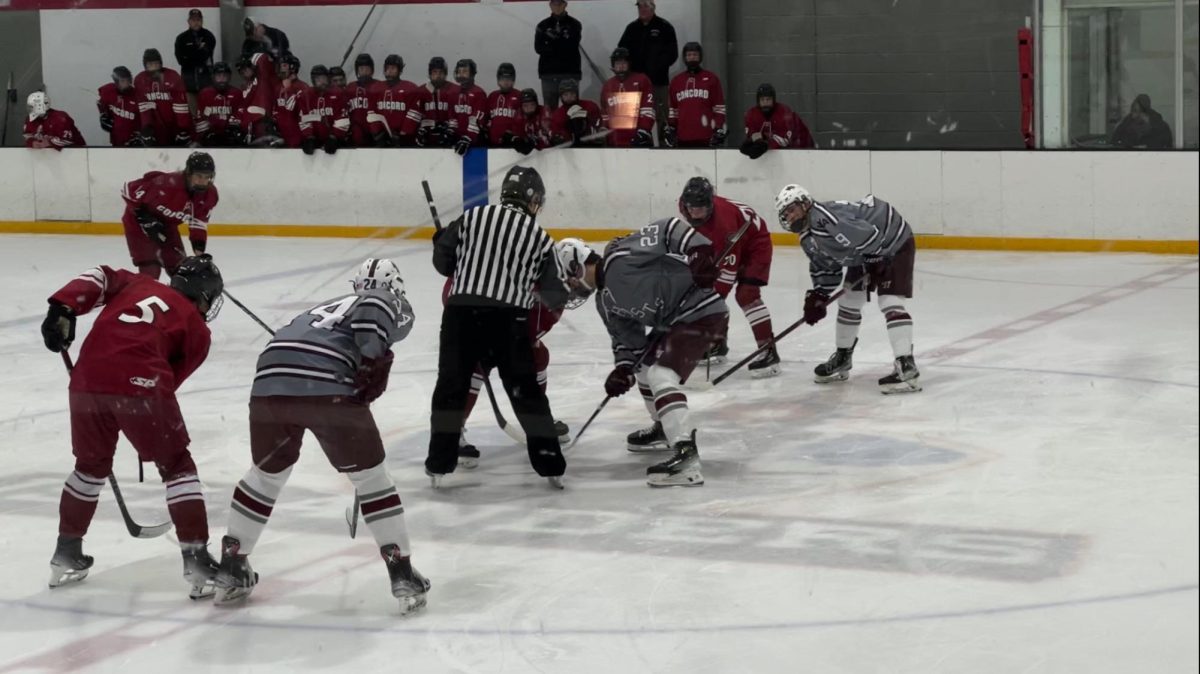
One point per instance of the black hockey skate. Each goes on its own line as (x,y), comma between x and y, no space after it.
(408,585)
(681,470)
(468,454)
(718,353)
(651,439)
(235,579)
(837,368)
(68,564)
(199,570)
(766,365)
(563,432)
(903,379)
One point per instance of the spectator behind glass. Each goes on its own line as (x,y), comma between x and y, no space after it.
(652,49)
(274,41)
(556,41)
(1143,127)
(194,52)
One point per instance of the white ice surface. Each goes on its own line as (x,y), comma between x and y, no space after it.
(1033,510)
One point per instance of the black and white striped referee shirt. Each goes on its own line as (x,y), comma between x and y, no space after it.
(498,255)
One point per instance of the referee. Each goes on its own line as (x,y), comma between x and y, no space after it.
(496,255)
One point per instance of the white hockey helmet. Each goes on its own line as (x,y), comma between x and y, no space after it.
(573,256)
(379,274)
(789,195)
(38,104)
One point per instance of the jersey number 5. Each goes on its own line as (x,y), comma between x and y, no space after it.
(331,314)
(147,306)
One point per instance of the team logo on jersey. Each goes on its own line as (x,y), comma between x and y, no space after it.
(143,382)
(122,112)
(692,93)
(221,110)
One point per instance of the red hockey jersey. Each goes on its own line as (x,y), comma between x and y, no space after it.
(360,101)
(504,109)
(627,105)
(165,197)
(782,130)
(217,110)
(470,114)
(536,127)
(436,108)
(393,109)
(123,109)
(147,340)
(287,110)
(697,106)
(163,105)
(258,98)
(726,219)
(560,121)
(323,113)
(56,128)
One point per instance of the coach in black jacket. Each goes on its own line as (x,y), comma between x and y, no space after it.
(194,52)
(556,41)
(652,49)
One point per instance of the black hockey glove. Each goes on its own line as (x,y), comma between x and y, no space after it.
(153,228)
(331,145)
(643,139)
(461,147)
(523,145)
(309,145)
(183,138)
(422,136)
(507,139)
(718,138)
(235,135)
(670,137)
(371,380)
(619,381)
(815,303)
(58,330)
(754,149)
(874,259)
(106,121)
(442,129)
(198,247)
(136,140)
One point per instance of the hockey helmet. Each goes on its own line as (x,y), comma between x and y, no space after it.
(568,85)
(199,163)
(620,54)
(698,193)
(523,187)
(469,64)
(364,60)
(506,70)
(693,48)
(379,274)
(121,73)
(393,60)
(765,90)
(792,194)
(437,63)
(336,73)
(245,63)
(151,56)
(218,67)
(199,280)
(318,71)
(38,104)
(529,96)
(573,257)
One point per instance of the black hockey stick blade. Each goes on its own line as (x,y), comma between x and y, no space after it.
(136,530)
(514,432)
(352,516)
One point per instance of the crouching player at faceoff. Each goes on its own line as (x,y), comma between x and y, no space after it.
(320,373)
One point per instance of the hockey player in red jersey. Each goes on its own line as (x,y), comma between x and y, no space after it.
(158,203)
(162,102)
(748,264)
(575,119)
(697,115)
(627,104)
(337,78)
(470,109)
(118,107)
(46,127)
(287,101)
(146,342)
(393,107)
(534,131)
(258,97)
(503,108)
(360,100)
(219,111)
(322,114)
(771,125)
(434,102)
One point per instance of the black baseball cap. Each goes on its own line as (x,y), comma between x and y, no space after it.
(195,14)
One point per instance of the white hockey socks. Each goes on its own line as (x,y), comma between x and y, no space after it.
(253,500)
(670,403)
(381,508)
(899,324)
(647,395)
(849,318)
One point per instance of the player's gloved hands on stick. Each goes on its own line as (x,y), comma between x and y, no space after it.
(461,147)
(106,122)
(815,303)
(422,136)
(718,138)
(703,266)
(183,138)
(309,145)
(153,228)
(619,381)
(331,145)
(58,330)
(371,379)
(670,137)
(643,139)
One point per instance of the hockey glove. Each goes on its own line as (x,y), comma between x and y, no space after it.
(754,149)
(136,140)
(235,135)
(183,138)
(58,330)
(106,121)
(872,260)
(670,137)
(154,229)
(619,381)
(523,145)
(643,139)
(309,145)
(703,266)
(461,147)
(507,139)
(442,129)
(815,303)
(372,378)
(718,138)
(422,136)
(198,247)
(331,145)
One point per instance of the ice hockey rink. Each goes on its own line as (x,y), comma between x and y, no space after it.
(1034,509)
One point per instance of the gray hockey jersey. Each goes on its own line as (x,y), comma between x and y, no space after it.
(320,351)
(841,234)
(646,276)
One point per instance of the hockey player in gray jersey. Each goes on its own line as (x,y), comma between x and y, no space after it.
(874,245)
(659,281)
(320,373)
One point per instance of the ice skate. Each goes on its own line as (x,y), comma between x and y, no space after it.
(556,481)
(681,470)
(408,585)
(435,479)
(837,368)
(718,353)
(69,564)
(468,454)
(199,570)
(904,378)
(651,439)
(766,365)
(563,432)
(235,579)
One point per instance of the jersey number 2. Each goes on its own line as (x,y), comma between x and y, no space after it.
(331,314)
(147,306)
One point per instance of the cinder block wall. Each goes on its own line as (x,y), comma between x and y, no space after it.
(21,55)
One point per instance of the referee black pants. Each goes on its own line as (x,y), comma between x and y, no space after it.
(492,337)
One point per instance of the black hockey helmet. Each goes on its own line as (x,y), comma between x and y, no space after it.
(620,54)
(437,63)
(765,90)
(151,55)
(121,72)
(219,67)
(199,162)
(692,47)
(523,187)
(529,96)
(244,63)
(336,72)
(697,193)
(318,71)
(364,60)
(506,70)
(292,61)
(568,85)
(199,280)
(394,60)
(469,64)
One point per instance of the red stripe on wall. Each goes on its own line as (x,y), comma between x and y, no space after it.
(326,3)
(28,5)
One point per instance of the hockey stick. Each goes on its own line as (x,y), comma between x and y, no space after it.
(512,431)
(595,69)
(350,47)
(732,241)
(249,313)
(136,530)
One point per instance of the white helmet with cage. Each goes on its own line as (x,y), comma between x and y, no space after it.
(379,274)
(789,195)
(573,256)
(38,104)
